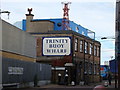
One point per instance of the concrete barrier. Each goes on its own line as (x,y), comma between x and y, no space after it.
(44,82)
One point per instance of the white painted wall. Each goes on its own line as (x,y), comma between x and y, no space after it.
(17,41)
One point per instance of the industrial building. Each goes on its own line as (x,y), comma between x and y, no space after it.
(70,52)
(113,64)
(18,59)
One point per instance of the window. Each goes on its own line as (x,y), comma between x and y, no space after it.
(91,46)
(95,68)
(81,46)
(76,44)
(86,68)
(98,69)
(98,51)
(90,68)
(95,50)
(81,64)
(59,24)
(86,47)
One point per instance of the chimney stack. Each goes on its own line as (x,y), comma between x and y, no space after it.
(29,17)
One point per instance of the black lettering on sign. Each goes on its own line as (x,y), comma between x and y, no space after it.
(56,45)
(56,40)
(56,51)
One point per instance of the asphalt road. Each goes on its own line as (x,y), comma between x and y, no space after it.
(64,87)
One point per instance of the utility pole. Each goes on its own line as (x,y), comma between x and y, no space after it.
(117,40)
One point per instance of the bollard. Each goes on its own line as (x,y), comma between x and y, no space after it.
(66,79)
(73,83)
(59,78)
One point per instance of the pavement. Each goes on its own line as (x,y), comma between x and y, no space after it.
(92,85)
(69,87)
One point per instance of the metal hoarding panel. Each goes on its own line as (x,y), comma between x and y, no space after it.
(26,71)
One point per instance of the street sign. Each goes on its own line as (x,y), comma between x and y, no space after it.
(56,46)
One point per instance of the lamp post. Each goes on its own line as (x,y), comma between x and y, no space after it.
(84,64)
(117,40)
(75,69)
(115,61)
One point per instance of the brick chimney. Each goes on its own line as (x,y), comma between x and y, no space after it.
(29,17)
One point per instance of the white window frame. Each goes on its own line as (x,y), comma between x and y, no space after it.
(95,50)
(98,51)
(81,45)
(90,50)
(86,47)
(76,44)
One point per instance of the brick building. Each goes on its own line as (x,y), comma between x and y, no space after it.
(68,52)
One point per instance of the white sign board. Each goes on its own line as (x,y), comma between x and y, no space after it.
(15,70)
(56,46)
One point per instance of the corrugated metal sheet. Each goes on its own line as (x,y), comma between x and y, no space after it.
(114,66)
(30,69)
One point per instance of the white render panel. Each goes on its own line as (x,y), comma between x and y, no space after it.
(17,41)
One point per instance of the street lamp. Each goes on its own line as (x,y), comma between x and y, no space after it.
(112,37)
(4,12)
(111,58)
(75,63)
(104,38)
(117,40)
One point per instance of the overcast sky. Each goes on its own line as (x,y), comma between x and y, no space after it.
(95,15)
